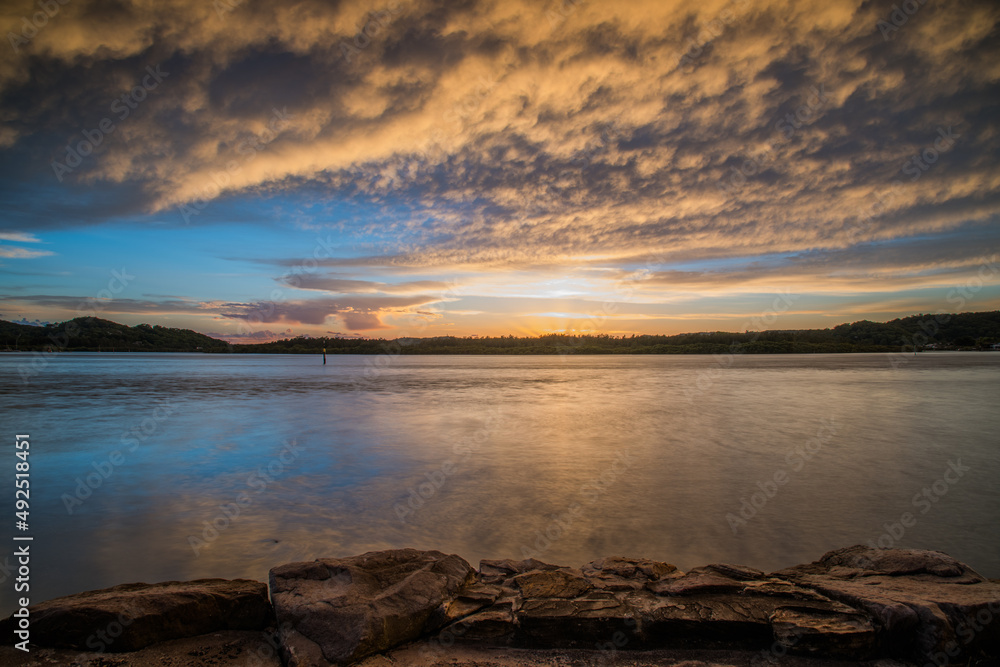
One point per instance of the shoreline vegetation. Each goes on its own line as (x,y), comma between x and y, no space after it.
(922,332)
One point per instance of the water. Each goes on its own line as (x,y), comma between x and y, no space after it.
(163,467)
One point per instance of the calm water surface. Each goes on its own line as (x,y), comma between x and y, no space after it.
(159,467)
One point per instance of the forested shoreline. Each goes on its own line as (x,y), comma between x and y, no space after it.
(949,331)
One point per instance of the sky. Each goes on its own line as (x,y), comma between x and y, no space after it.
(257,170)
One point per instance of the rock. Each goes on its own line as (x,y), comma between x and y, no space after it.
(706,609)
(628,568)
(737,572)
(862,561)
(925,604)
(698,580)
(495,625)
(468,600)
(857,604)
(130,617)
(336,611)
(496,571)
(706,620)
(780,588)
(571,623)
(823,632)
(626,574)
(552,584)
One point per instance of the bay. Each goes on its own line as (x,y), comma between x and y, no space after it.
(154,467)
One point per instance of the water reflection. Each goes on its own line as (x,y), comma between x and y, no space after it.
(566,459)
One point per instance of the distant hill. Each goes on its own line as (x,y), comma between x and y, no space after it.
(94,334)
(958,331)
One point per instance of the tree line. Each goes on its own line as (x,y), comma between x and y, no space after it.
(958,331)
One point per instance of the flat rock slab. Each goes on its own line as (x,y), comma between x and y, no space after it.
(926,604)
(629,568)
(218,649)
(543,606)
(495,571)
(877,607)
(822,632)
(130,617)
(860,560)
(335,611)
(552,584)
(700,580)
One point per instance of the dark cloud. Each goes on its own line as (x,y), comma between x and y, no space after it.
(357,313)
(519,133)
(333,283)
(92,305)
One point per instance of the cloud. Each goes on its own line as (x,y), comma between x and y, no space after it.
(79,306)
(13,252)
(19,237)
(339,285)
(356,313)
(525,135)
(361,321)
(902,264)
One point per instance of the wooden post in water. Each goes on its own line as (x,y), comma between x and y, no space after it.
(324,356)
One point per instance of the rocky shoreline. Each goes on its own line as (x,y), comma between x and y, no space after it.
(856,605)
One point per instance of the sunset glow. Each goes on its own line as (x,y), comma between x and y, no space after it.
(420,168)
